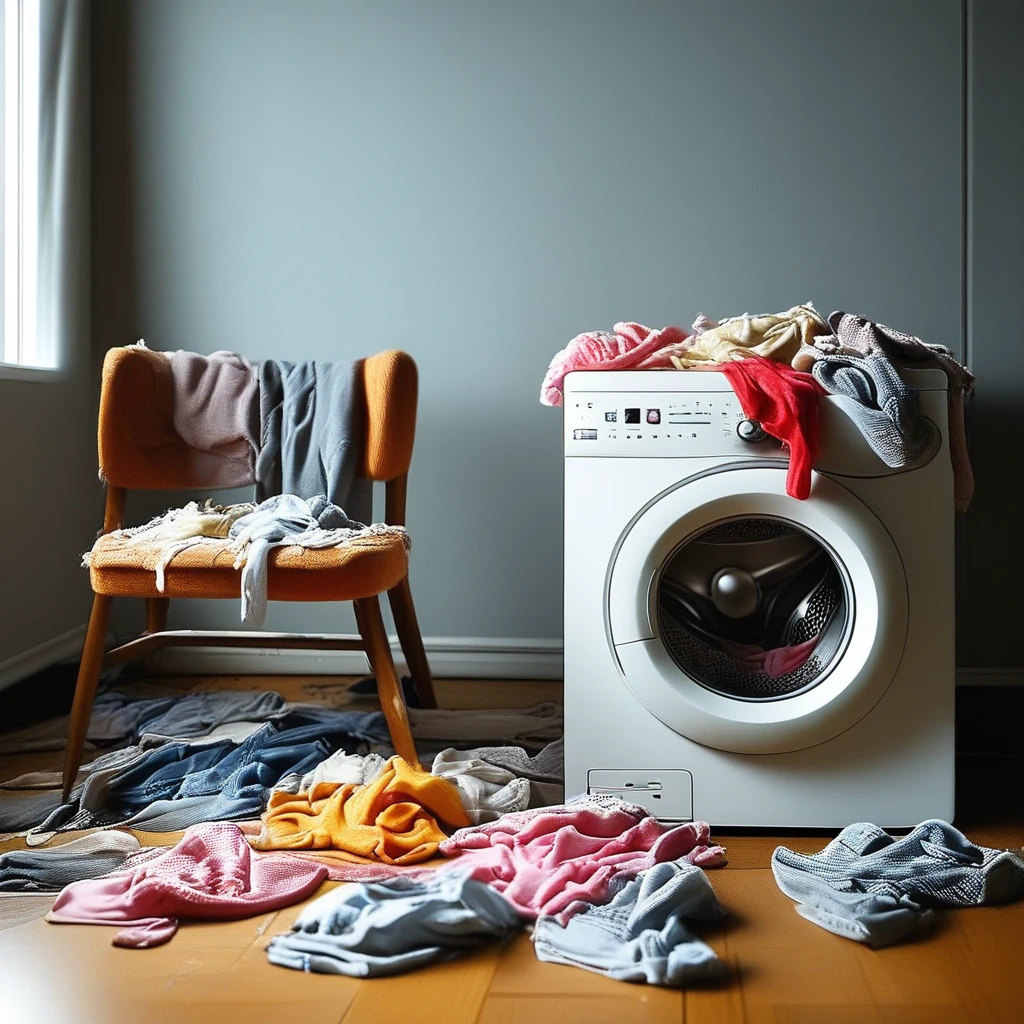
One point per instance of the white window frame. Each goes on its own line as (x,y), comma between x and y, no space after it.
(24,354)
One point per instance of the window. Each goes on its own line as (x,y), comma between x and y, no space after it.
(23,345)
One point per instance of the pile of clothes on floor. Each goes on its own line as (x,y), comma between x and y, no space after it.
(276,797)
(778,364)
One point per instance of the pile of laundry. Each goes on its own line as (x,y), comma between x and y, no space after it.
(600,883)
(778,364)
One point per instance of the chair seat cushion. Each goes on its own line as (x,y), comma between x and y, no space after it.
(360,567)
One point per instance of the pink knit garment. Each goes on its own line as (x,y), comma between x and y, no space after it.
(211,875)
(558,860)
(632,346)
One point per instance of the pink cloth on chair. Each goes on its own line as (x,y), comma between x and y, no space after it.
(211,875)
(558,860)
(632,346)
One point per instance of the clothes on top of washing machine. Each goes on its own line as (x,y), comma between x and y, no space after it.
(785,402)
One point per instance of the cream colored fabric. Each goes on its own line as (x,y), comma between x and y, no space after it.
(777,336)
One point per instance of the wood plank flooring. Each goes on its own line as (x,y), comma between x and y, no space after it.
(784,970)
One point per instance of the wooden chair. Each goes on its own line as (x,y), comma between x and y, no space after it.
(139,448)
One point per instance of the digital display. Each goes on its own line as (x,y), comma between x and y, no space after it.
(632,415)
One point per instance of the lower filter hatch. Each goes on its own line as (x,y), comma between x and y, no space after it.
(666,793)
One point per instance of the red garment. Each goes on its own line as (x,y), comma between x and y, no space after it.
(785,402)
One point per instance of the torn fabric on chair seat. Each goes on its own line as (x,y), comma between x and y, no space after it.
(234,549)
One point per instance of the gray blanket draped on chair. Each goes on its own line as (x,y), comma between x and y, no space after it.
(312,433)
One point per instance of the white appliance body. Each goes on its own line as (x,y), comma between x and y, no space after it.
(872,738)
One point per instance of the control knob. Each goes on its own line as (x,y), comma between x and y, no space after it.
(750,430)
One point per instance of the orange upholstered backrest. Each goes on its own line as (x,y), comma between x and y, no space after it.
(139,447)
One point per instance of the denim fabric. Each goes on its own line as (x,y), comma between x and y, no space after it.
(173,785)
(120,717)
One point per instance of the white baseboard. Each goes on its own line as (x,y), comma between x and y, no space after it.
(61,648)
(449,657)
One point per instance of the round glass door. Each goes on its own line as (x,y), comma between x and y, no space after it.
(754,608)
(750,621)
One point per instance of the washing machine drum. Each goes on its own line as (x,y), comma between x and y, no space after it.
(752,622)
(753,609)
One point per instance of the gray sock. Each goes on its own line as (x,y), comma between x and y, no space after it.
(641,935)
(374,929)
(868,886)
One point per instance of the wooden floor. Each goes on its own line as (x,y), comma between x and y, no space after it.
(784,970)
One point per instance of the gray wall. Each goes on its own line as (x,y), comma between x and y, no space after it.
(990,565)
(478,182)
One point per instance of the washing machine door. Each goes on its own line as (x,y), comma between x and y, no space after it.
(750,621)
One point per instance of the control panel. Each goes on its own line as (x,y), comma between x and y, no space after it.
(650,424)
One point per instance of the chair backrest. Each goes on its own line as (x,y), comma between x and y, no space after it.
(140,449)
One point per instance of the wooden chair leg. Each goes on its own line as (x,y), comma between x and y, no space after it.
(85,689)
(156,613)
(156,622)
(389,689)
(408,629)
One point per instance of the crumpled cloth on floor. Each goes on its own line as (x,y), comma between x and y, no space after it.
(776,336)
(785,402)
(854,335)
(171,786)
(487,791)
(878,889)
(123,717)
(630,346)
(340,768)
(393,820)
(49,871)
(396,926)
(642,934)
(545,770)
(557,860)
(211,875)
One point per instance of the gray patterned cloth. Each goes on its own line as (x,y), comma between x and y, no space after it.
(376,929)
(868,886)
(858,337)
(882,405)
(48,871)
(642,935)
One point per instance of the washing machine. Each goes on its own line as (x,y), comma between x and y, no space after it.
(737,655)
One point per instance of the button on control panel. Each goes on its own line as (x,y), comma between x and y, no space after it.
(751,431)
(670,424)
